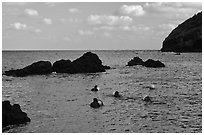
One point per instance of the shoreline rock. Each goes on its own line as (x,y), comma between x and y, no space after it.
(13,115)
(149,63)
(61,66)
(87,63)
(186,37)
(153,63)
(36,68)
(135,61)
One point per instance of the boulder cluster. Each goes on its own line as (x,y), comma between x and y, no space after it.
(12,114)
(149,63)
(88,63)
(37,68)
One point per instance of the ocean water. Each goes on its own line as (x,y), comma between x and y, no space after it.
(59,103)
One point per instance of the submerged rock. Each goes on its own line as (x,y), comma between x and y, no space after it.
(37,68)
(187,37)
(12,114)
(153,63)
(135,61)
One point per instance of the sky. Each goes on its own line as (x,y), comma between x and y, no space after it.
(91,26)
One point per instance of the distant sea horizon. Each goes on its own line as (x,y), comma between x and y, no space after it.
(81,50)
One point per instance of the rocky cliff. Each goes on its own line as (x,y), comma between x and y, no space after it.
(187,37)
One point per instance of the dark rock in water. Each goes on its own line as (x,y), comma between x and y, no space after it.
(147,99)
(12,114)
(153,63)
(135,61)
(88,63)
(187,37)
(37,68)
(148,63)
(62,66)
(106,67)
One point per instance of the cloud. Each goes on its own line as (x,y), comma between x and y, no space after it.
(109,20)
(167,26)
(85,32)
(31,12)
(19,26)
(140,28)
(15,3)
(37,30)
(173,9)
(63,20)
(67,38)
(135,10)
(50,4)
(125,28)
(74,20)
(107,34)
(47,21)
(73,10)
(103,28)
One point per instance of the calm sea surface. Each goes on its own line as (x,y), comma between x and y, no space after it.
(60,102)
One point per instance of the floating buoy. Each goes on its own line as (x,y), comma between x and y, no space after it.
(151,87)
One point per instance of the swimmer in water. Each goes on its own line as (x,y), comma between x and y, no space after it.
(116,94)
(96,88)
(96,103)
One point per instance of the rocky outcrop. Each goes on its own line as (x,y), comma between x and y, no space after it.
(88,63)
(153,64)
(37,68)
(149,63)
(12,114)
(62,66)
(187,37)
(135,61)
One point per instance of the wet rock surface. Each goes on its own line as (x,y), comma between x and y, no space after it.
(37,68)
(153,63)
(12,114)
(149,63)
(88,63)
(135,61)
(62,66)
